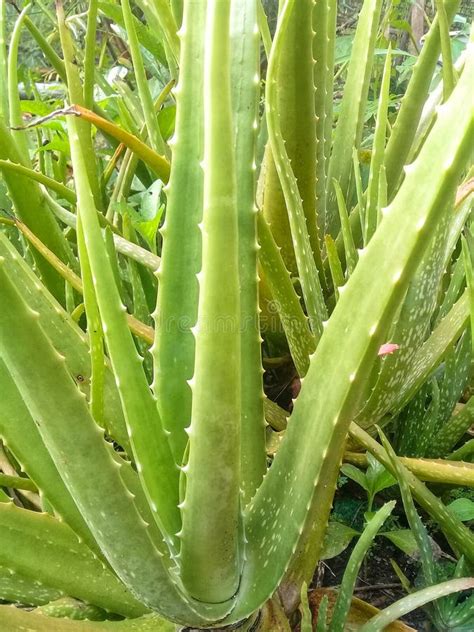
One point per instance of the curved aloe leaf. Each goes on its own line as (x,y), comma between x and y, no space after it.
(293,103)
(46,550)
(18,588)
(66,337)
(245,48)
(415,600)
(344,596)
(16,620)
(178,290)
(300,231)
(210,538)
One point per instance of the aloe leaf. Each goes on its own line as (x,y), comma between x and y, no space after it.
(76,95)
(344,596)
(17,482)
(94,331)
(44,549)
(349,246)
(264,28)
(455,288)
(18,588)
(405,126)
(410,329)
(245,48)
(89,54)
(167,22)
(304,247)
(446,51)
(4,115)
(337,378)
(19,433)
(70,608)
(351,116)
(291,112)
(306,624)
(455,428)
(66,337)
(211,510)
(178,290)
(295,322)
(335,266)
(323,73)
(468,257)
(378,150)
(16,620)
(432,352)
(415,600)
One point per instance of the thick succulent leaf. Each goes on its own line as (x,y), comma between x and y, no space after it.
(178,290)
(373,208)
(415,600)
(66,337)
(151,121)
(245,59)
(294,102)
(433,351)
(19,434)
(323,73)
(15,620)
(304,249)
(46,550)
(455,428)
(149,441)
(18,588)
(295,322)
(210,538)
(410,329)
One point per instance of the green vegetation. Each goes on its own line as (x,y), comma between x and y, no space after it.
(193,183)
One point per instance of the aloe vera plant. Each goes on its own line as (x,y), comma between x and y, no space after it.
(146,446)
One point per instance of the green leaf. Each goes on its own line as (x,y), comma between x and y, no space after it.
(463,508)
(403,539)
(337,538)
(355,474)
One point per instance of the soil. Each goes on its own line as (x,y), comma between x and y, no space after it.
(377,583)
